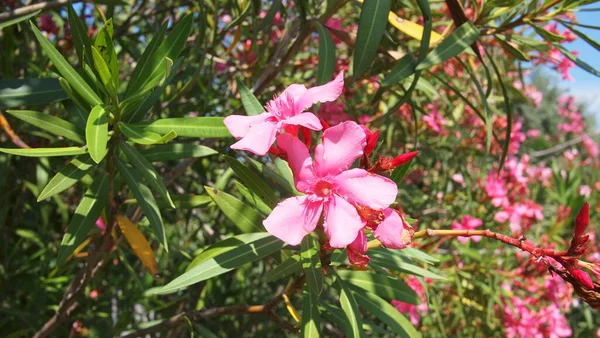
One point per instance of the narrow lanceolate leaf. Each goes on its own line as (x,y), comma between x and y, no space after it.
(253,198)
(311,318)
(139,244)
(153,68)
(241,214)
(49,123)
(583,65)
(44,152)
(67,176)
(224,246)
(251,104)
(19,19)
(209,127)
(385,286)
(349,306)
(96,133)
(253,181)
(289,266)
(146,170)
(311,264)
(103,71)
(227,261)
(385,312)
(404,68)
(585,38)
(171,152)
(65,69)
(399,173)
(145,200)
(144,65)
(463,37)
(105,46)
(85,216)
(14,93)
(139,135)
(393,262)
(326,64)
(79,33)
(371,26)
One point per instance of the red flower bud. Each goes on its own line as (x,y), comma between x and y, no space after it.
(404,158)
(388,163)
(324,124)
(371,142)
(582,220)
(582,278)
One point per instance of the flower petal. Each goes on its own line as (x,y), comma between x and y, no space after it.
(325,93)
(295,91)
(341,145)
(293,219)
(308,120)
(239,125)
(299,161)
(390,232)
(342,222)
(361,187)
(259,138)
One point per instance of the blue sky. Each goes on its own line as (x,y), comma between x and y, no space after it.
(586,86)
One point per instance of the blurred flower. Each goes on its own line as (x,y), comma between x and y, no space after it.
(434,120)
(467,222)
(414,311)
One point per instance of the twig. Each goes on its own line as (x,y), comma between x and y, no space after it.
(562,146)
(44,6)
(11,133)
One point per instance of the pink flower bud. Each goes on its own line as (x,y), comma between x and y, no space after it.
(582,278)
(404,158)
(582,220)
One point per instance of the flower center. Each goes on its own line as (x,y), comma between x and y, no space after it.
(323,189)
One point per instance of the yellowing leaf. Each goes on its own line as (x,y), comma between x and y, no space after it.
(139,244)
(410,28)
(291,309)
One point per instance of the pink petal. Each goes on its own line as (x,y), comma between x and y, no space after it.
(259,138)
(371,190)
(293,219)
(342,222)
(295,90)
(390,231)
(299,161)
(308,120)
(325,93)
(341,145)
(239,125)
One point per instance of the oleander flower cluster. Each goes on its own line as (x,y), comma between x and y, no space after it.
(337,197)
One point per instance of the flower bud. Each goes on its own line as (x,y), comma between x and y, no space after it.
(582,220)
(582,278)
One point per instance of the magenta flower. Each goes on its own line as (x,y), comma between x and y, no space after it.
(330,187)
(257,133)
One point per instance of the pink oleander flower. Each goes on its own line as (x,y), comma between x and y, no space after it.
(495,189)
(257,133)
(521,321)
(434,120)
(414,311)
(330,187)
(467,222)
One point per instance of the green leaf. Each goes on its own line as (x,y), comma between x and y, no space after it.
(27,92)
(584,37)
(96,133)
(171,152)
(67,176)
(459,40)
(400,171)
(139,135)
(385,286)
(251,104)
(224,246)
(385,312)
(486,108)
(209,127)
(85,216)
(168,137)
(547,35)
(289,266)
(49,123)
(65,69)
(253,198)
(326,65)
(371,27)
(512,50)
(311,318)
(152,64)
(311,264)
(335,315)
(146,201)
(396,263)
(44,152)
(104,45)
(417,254)
(403,68)
(253,181)
(224,262)
(180,201)
(241,214)
(16,20)
(104,72)
(146,170)
(79,34)
(349,306)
